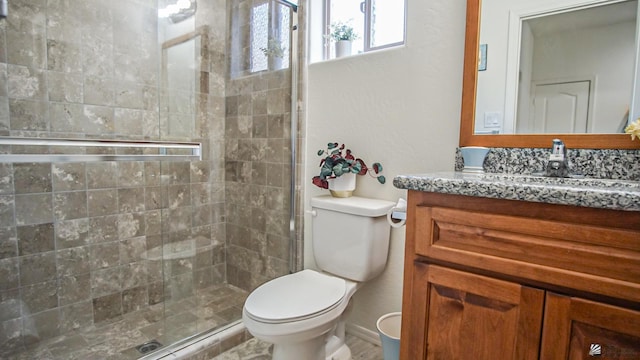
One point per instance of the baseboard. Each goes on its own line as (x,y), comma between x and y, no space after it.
(364,334)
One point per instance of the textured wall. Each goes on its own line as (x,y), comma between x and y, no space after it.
(400,107)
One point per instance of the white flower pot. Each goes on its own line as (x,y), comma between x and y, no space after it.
(343,48)
(342,186)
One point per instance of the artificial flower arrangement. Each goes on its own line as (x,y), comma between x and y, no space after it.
(633,129)
(338,161)
(342,31)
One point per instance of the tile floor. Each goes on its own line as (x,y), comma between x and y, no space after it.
(167,323)
(254,349)
(210,308)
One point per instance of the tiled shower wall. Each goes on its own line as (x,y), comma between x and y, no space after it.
(74,237)
(257,161)
(257,168)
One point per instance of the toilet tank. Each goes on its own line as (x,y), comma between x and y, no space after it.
(350,236)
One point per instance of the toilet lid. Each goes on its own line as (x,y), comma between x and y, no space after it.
(296,296)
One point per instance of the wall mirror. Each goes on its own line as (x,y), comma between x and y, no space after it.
(535,71)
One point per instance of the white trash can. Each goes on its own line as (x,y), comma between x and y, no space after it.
(389,329)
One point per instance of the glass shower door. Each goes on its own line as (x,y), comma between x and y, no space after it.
(131,253)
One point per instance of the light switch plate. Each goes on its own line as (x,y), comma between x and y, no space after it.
(492,119)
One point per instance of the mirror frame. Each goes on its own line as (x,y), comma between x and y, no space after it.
(467,114)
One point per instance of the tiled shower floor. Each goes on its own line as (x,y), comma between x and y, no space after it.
(167,323)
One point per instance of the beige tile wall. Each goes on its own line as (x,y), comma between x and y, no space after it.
(257,168)
(257,162)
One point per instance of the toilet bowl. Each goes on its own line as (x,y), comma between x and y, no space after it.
(303,313)
(297,310)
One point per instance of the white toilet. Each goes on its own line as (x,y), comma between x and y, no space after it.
(301,313)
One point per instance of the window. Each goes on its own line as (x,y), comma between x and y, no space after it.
(260,38)
(379,23)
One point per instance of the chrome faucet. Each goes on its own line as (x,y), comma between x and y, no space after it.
(558,165)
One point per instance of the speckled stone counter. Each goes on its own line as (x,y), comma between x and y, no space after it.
(605,194)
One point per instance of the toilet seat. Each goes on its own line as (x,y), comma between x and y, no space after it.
(299,296)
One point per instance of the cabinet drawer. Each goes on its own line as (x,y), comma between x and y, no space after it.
(494,242)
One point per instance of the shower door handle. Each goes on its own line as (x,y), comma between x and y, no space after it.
(4,8)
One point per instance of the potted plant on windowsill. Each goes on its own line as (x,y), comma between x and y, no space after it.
(343,35)
(338,170)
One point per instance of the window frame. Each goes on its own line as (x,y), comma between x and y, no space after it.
(366,31)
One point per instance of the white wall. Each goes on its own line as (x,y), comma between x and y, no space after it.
(400,107)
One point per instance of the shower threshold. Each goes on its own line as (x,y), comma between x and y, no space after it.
(213,343)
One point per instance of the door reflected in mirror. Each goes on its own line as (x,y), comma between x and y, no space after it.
(557,67)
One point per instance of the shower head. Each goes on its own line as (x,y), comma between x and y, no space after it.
(292,4)
(4,9)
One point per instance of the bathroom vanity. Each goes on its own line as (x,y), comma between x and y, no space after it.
(502,266)
(509,267)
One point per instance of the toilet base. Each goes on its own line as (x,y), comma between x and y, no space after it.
(303,350)
(334,349)
(341,353)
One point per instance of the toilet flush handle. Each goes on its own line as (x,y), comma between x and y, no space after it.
(312,212)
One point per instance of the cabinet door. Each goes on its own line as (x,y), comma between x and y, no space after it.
(468,316)
(580,329)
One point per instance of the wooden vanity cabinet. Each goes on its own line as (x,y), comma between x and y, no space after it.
(468,316)
(502,279)
(578,327)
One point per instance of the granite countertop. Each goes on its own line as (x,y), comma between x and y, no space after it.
(586,192)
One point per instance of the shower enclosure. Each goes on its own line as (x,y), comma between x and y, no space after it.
(169,197)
